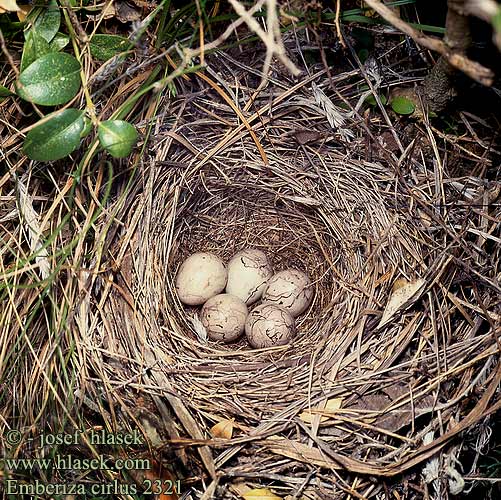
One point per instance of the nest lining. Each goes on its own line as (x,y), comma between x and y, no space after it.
(349,225)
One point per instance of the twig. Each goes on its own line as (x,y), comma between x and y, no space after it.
(272,39)
(338,24)
(79,31)
(458,60)
(8,54)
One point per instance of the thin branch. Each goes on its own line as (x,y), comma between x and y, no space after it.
(8,55)
(272,38)
(338,24)
(458,60)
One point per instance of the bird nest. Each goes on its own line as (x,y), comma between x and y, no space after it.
(395,357)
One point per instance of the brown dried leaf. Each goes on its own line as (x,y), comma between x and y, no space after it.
(410,94)
(239,488)
(306,136)
(403,295)
(261,494)
(223,429)
(329,407)
(119,9)
(159,477)
(299,451)
(397,418)
(23,12)
(125,13)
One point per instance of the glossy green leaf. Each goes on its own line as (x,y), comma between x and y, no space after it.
(117,137)
(48,20)
(402,105)
(51,80)
(59,42)
(371,100)
(104,47)
(56,138)
(5,92)
(87,128)
(35,46)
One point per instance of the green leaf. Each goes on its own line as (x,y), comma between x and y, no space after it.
(496,20)
(104,47)
(87,128)
(371,100)
(51,80)
(402,105)
(5,92)
(35,46)
(59,42)
(363,55)
(48,20)
(56,138)
(117,137)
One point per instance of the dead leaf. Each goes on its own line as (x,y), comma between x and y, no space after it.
(120,10)
(299,451)
(23,12)
(239,488)
(387,141)
(125,13)
(261,494)
(8,6)
(426,220)
(401,298)
(329,407)
(160,475)
(160,478)
(392,420)
(399,283)
(107,13)
(306,136)
(223,429)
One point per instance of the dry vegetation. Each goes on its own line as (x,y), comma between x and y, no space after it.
(394,378)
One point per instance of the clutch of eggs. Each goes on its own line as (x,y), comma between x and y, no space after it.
(203,277)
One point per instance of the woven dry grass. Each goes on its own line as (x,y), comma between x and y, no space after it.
(390,397)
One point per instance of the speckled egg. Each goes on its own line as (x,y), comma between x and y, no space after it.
(269,325)
(223,316)
(201,276)
(248,272)
(290,289)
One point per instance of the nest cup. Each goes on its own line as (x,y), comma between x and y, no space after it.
(323,220)
(225,218)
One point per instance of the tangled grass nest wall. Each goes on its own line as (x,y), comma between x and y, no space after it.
(395,358)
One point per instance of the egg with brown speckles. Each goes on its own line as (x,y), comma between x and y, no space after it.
(290,289)
(201,276)
(269,325)
(223,316)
